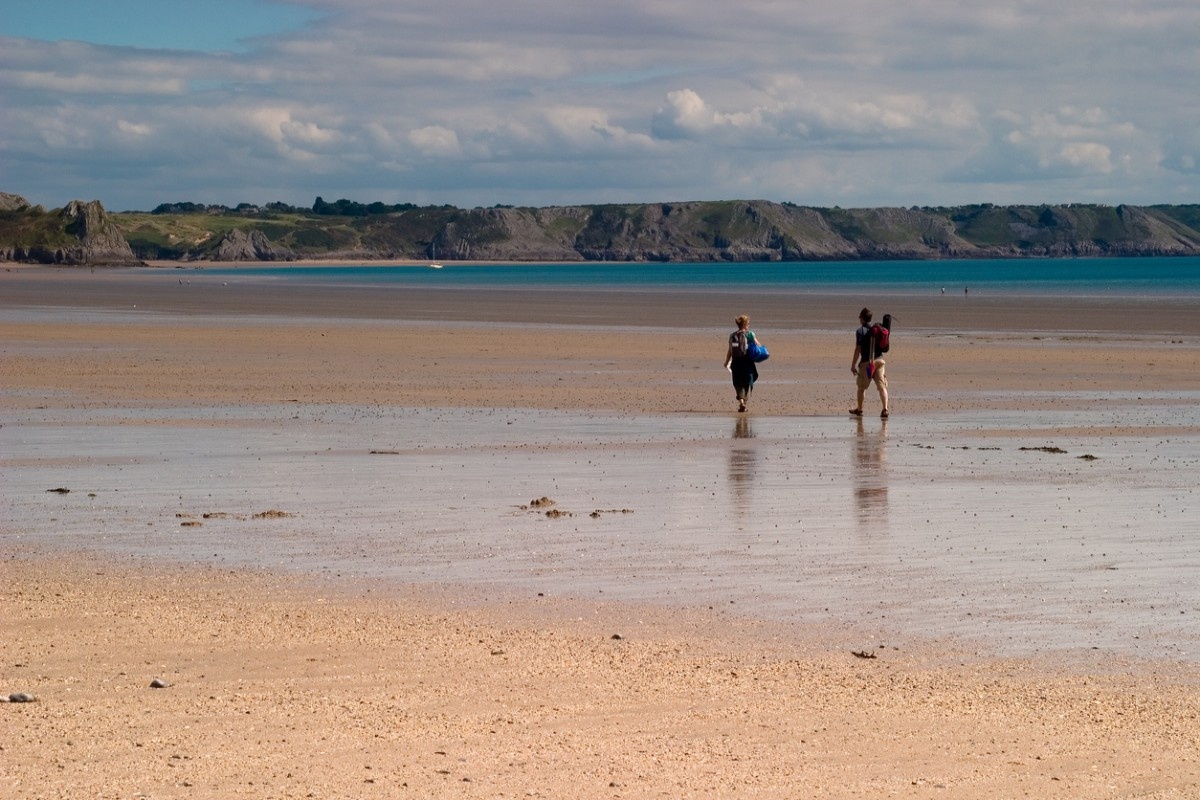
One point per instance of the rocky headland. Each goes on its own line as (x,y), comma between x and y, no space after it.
(735,231)
(80,234)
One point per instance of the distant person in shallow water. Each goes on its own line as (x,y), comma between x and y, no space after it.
(739,364)
(866,365)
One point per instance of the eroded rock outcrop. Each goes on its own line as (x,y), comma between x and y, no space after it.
(100,241)
(240,245)
(510,234)
(81,234)
(12,202)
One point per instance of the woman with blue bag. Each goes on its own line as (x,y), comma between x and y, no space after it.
(741,359)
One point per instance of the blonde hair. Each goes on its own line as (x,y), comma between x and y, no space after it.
(742,321)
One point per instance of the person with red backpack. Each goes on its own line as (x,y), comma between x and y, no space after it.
(867,364)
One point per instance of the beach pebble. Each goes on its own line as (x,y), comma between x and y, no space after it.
(20,697)
(159,683)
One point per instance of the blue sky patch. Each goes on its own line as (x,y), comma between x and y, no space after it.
(213,25)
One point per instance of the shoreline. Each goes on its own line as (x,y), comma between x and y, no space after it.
(925,315)
(425,262)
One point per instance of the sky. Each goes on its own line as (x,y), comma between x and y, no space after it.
(855,103)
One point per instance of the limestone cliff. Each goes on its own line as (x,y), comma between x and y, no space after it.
(12,202)
(506,234)
(100,241)
(238,245)
(734,231)
(79,234)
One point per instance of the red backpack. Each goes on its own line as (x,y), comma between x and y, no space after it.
(881,335)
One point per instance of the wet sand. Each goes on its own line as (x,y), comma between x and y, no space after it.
(315,525)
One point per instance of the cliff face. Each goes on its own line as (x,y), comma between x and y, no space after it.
(80,234)
(764,231)
(238,245)
(100,241)
(12,202)
(506,234)
(735,231)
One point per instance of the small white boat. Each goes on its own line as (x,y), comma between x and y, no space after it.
(435,266)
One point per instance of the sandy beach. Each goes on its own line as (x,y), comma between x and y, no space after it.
(307,513)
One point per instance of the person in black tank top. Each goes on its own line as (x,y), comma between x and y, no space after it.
(866,365)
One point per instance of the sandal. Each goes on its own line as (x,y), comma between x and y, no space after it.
(857,412)
(883,414)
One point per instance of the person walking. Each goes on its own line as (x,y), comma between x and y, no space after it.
(867,365)
(739,363)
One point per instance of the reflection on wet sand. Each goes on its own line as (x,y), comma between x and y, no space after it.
(869,475)
(742,461)
(807,518)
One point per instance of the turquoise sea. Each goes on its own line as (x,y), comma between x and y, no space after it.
(1177,277)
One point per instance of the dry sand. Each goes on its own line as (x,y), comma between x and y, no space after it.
(277,689)
(286,687)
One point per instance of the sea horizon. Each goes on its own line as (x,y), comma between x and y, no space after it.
(1134,277)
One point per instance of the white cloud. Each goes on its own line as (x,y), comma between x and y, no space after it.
(309,135)
(269,122)
(435,140)
(1077,147)
(134,128)
(1087,156)
(687,115)
(589,129)
(882,122)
